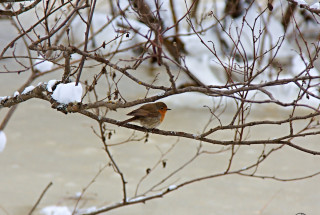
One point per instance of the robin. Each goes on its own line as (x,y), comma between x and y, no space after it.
(149,115)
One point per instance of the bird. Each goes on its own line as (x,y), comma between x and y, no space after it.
(149,115)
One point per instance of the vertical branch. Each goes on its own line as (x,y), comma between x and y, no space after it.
(88,23)
(171,77)
(114,164)
(67,70)
(46,23)
(230,159)
(174,17)
(40,197)
(7,117)
(234,8)
(194,10)
(287,16)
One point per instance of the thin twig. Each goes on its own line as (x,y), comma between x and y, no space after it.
(40,198)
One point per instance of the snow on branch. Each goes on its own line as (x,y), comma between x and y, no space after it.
(315,8)
(67,93)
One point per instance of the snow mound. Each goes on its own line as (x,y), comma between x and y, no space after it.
(43,65)
(56,210)
(301,2)
(64,210)
(50,84)
(66,93)
(27,89)
(16,94)
(315,6)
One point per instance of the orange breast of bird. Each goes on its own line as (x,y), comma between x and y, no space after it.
(163,113)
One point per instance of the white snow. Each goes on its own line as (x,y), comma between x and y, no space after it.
(76,56)
(139,198)
(3,141)
(3,98)
(315,6)
(27,89)
(301,2)
(56,210)
(78,194)
(172,187)
(64,210)
(66,93)
(50,84)
(195,136)
(43,65)
(87,210)
(200,66)
(16,94)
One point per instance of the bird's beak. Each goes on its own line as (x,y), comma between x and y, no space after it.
(169,109)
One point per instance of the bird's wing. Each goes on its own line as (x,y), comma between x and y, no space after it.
(139,112)
(144,112)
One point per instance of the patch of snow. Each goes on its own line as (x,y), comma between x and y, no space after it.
(16,94)
(199,65)
(139,198)
(3,141)
(161,94)
(43,65)
(27,89)
(76,56)
(301,2)
(87,210)
(3,98)
(195,136)
(172,187)
(315,6)
(50,84)
(56,210)
(78,194)
(66,93)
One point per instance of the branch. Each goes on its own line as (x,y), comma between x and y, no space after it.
(305,6)
(114,164)
(198,137)
(41,93)
(132,201)
(39,199)
(279,179)
(22,9)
